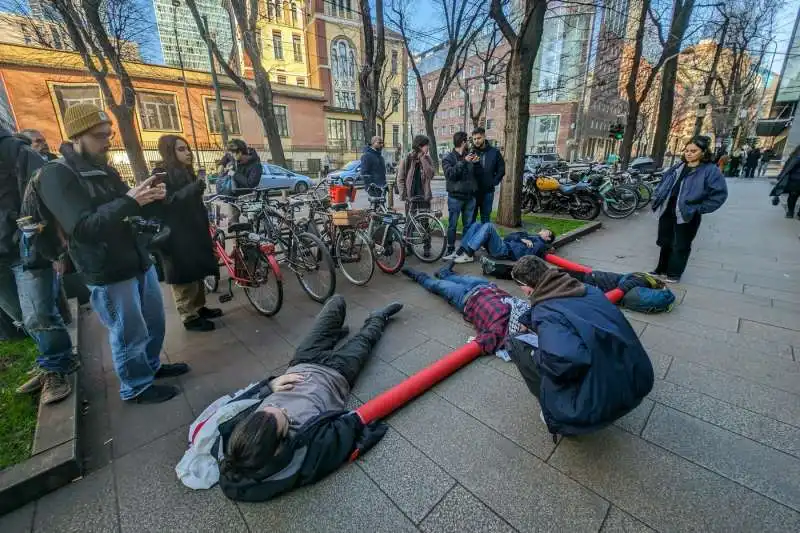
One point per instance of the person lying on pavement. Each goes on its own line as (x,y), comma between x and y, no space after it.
(300,432)
(513,246)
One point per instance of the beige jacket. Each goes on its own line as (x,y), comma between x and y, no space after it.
(405,174)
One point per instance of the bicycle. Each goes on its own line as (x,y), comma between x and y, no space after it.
(251,265)
(618,201)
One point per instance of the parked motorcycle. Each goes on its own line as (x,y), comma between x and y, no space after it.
(544,193)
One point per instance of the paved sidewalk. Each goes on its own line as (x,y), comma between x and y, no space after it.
(715,447)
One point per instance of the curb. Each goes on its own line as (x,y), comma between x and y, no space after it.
(576,234)
(55,458)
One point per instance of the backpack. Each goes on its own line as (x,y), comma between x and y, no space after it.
(647,300)
(49,244)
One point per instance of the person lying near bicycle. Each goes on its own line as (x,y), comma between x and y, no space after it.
(513,246)
(300,431)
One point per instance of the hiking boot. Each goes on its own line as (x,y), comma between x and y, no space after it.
(54,387)
(209,312)
(199,324)
(34,383)
(155,394)
(387,312)
(170,370)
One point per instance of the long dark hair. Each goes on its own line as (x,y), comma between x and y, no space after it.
(166,147)
(252,445)
(419,142)
(704,143)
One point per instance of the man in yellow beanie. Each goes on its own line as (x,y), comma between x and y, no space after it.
(93,206)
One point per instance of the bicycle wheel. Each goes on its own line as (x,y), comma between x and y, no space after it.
(620,202)
(390,251)
(212,282)
(426,236)
(645,194)
(354,256)
(265,290)
(313,265)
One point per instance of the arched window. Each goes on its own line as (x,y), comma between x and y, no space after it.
(343,72)
(295,15)
(270,10)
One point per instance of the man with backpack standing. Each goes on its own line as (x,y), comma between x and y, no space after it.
(489,173)
(29,293)
(89,201)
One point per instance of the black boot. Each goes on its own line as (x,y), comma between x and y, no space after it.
(199,324)
(209,312)
(170,370)
(387,312)
(155,394)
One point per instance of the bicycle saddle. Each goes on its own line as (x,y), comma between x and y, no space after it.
(240,227)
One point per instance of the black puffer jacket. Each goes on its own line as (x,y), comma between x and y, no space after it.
(492,168)
(247,172)
(460,176)
(188,255)
(92,207)
(17,163)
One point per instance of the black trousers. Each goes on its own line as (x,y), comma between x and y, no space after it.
(791,202)
(675,241)
(520,354)
(319,346)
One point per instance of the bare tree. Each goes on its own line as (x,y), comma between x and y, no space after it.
(245,14)
(464,20)
(369,78)
(491,59)
(524,40)
(388,98)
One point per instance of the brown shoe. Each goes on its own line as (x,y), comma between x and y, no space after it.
(34,383)
(54,387)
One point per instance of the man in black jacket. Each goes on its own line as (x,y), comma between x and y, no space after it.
(373,167)
(300,432)
(242,166)
(38,144)
(490,174)
(93,207)
(459,171)
(29,295)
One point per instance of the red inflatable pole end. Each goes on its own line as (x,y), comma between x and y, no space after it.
(615,295)
(396,397)
(565,263)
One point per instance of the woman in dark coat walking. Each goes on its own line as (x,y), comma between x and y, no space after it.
(690,189)
(789,183)
(188,256)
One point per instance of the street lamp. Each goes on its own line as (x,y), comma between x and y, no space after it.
(175,5)
(492,81)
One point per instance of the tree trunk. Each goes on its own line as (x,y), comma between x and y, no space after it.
(130,138)
(431,133)
(268,121)
(634,104)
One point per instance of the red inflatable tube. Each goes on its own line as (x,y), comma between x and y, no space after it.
(615,295)
(383,405)
(564,263)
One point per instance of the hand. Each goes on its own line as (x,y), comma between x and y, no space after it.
(527,243)
(285,382)
(148,192)
(472,158)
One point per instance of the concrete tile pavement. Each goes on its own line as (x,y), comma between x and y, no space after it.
(713,448)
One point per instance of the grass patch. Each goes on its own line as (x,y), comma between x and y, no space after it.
(533,223)
(17,412)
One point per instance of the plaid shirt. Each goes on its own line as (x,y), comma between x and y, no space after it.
(489,314)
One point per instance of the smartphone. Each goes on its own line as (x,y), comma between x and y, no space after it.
(159,178)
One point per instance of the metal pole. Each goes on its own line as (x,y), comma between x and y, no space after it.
(175,5)
(466,102)
(223,129)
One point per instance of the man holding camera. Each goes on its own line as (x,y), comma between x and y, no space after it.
(93,207)
(490,173)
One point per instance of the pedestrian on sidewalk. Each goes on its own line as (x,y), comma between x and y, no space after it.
(188,256)
(767,156)
(735,162)
(301,431)
(688,190)
(373,166)
(459,173)
(414,176)
(490,172)
(789,182)
(753,158)
(93,206)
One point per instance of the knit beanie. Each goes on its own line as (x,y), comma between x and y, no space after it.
(83,117)
(529,270)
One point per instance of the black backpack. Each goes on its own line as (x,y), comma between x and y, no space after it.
(50,243)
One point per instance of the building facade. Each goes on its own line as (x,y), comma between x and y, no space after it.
(189,46)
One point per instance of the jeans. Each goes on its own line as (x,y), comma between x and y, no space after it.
(9,297)
(39,291)
(484,202)
(319,346)
(451,286)
(456,207)
(485,235)
(133,312)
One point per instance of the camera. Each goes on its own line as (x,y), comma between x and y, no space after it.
(152,232)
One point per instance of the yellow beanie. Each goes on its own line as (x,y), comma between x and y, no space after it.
(82,117)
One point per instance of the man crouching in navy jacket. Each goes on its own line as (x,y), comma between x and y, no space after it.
(300,432)
(590,368)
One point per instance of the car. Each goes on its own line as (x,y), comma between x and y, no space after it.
(351,170)
(275,177)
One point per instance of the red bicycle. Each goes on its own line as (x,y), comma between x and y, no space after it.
(251,264)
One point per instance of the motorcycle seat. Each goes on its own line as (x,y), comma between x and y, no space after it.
(567,189)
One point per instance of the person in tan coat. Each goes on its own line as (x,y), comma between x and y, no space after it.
(414,175)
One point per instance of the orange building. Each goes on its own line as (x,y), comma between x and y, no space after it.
(41,84)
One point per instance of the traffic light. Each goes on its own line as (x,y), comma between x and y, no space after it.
(616,131)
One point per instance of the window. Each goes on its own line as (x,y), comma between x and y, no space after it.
(158,112)
(69,95)
(343,71)
(491,103)
(281,79)
(301,82)
(338,8)
(337,132)
(452,129)
(395,100)
(542,134)
(270,10)
(472,70)
(297,47)
(357,141)
(489,124)
(295,16)
(394,62)
(281,120)
(229,114)
(379,130)
(395,135)
(277,45)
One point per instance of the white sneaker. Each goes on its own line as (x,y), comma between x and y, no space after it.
(449,257)
(463,258)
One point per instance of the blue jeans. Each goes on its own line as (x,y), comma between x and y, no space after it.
(38,291)
(9,297)
(485,235)
(452,287)
(133,312)
(455,207)
(484,202)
